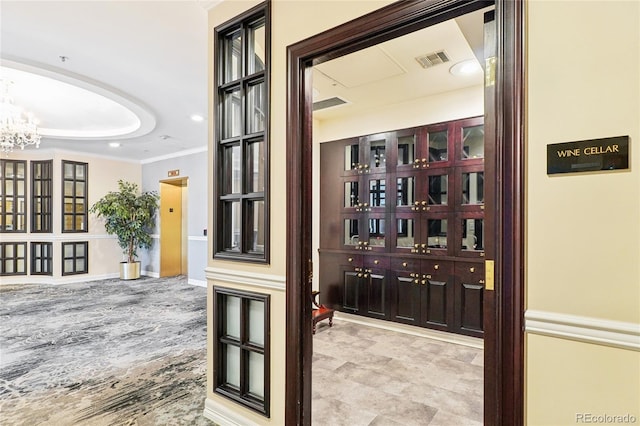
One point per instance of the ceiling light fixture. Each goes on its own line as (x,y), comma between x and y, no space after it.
(114,144)
(468,67)
(197,118)
(15,130)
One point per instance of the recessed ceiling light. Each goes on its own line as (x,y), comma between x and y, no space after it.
(114,144)
(197,118)
(468,67)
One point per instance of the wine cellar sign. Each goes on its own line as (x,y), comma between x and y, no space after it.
(588,156)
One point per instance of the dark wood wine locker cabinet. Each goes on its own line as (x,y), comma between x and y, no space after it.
(401,226)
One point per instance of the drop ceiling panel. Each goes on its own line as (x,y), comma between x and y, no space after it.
(360,68)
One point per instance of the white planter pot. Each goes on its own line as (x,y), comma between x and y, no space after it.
(129,271)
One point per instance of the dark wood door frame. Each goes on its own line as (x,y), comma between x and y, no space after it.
(504,341)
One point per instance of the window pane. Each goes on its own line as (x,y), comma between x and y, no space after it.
(9,170)
(8,187)
(406,150)
(376,232)
(68,222)
(256,322)
(20,248)
(405,233)
(79,189)
(20,184)
(351,157)
(20,170)
(79,206)
(80,168)
(256,54)
(377,190)
(232,170)
(68,266)
(233,365)
(232,60)
(21,267)
(80,265)
(351,235)
(256,218)
(473,142)
(68,189)
(255,116)
(406,191)
(68,171)
(473,188)
(438,146)
(351,194)
(231,115)
(8,250)
(438,189)
(377,154)
(80,250)
(256,374)
(79,223)
(232,222)
(68,250)
(255,167)
(232,317)
(437,233)
(472,235)
(20,223)
(8,266)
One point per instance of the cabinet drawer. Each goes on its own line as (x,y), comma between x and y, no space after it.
(376,262)
(400,264)
(440,270)
(470,273)
(350,259)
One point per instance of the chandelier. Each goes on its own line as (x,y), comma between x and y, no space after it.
(16,128)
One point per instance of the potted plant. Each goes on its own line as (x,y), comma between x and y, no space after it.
(129,215)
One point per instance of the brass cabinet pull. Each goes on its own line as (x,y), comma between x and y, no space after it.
(481,281)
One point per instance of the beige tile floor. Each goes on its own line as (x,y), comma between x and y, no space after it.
(364,375)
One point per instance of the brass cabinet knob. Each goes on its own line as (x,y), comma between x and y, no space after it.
(404,264)
(428,276)
(424,203)
(360,275)
(350,259)
(436,266)
(376,261)
(416,281)
(424,282)
(481,281)
(423,245)
(472,269)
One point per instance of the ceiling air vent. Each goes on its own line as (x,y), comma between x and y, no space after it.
(432,59)
(328,103)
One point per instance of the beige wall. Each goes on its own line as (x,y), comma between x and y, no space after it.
(104,253)
(583,230)
(293,21)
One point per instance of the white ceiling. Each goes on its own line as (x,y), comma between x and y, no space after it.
(151,57)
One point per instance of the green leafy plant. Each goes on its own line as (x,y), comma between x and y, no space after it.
(129,215)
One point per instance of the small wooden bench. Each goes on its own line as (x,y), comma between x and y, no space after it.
(320,312)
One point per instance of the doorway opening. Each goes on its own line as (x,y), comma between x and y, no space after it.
(503,366)
(401,242)
(173,227)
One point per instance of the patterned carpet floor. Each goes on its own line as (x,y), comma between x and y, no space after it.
(103,353)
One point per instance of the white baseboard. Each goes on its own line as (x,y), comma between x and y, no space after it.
(442,336)
(198,283)
(597,331)
(45,279)
(223,416)
(151,274)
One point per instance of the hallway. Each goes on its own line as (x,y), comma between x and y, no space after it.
(365,375)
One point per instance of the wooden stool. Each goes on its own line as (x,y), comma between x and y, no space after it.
(320,312)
